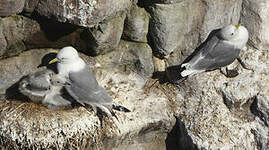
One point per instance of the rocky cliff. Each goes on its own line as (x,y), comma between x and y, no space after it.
(125,42)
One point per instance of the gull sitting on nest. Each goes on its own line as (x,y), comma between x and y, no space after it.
(81,83)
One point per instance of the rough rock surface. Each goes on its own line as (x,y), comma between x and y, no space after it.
(135,56)
(136,24)
(147,2)
(18,33)
(212,111)
(12,34)
(11,7)
(163,27)
(30,6)
(24,122)
(227,109)
(105,36)
(255,18)
(82,13)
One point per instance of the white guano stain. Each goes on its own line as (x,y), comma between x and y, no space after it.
(81,10)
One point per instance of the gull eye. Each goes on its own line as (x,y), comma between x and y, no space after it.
(232,33)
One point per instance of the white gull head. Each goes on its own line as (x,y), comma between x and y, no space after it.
(69,61)
(236,35)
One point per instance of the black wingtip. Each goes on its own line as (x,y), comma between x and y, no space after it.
(120,108)
(113,114)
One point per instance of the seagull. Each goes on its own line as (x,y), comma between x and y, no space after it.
(219,50)
(81,83)
(39,89)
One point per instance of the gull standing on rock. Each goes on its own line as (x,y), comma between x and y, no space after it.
(39,88)
(81,82)
(219,50)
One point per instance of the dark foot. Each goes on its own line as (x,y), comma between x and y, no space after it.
(243,64)
(232,73)
(229,73)
(100,117)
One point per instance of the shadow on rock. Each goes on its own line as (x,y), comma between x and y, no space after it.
(161,76)
(13,93)
(171,75)
(178,138)
(53,29)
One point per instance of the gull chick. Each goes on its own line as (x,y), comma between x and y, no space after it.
(39,88)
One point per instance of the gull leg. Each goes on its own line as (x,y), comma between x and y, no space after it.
(243,64)
(229,73)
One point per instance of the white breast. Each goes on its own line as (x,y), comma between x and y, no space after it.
(74,66)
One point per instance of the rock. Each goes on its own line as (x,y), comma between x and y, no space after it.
(3,42)
(133,56)
(32,125)
(254,17)
(260,107)
(30,6)
(167,31)
(164,29)
(18,33)
(148,2)
(142,57)
(231,110)
(178,138)
(159,64)
(136,25)
(261,134)
(81,13)
(105,36)
(11,7)
(12,35)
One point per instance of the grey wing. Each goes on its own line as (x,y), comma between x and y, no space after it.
(215,54)
(85,89)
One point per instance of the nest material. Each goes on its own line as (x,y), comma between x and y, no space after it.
(26,125)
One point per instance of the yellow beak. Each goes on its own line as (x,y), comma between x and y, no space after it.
(53,61)
(238,25)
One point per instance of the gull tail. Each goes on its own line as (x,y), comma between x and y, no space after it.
(120,108)
(185,71)
(173,74)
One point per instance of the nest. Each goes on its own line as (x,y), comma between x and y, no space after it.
(26,125)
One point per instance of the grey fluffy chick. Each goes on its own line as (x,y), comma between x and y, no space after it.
(39,89)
